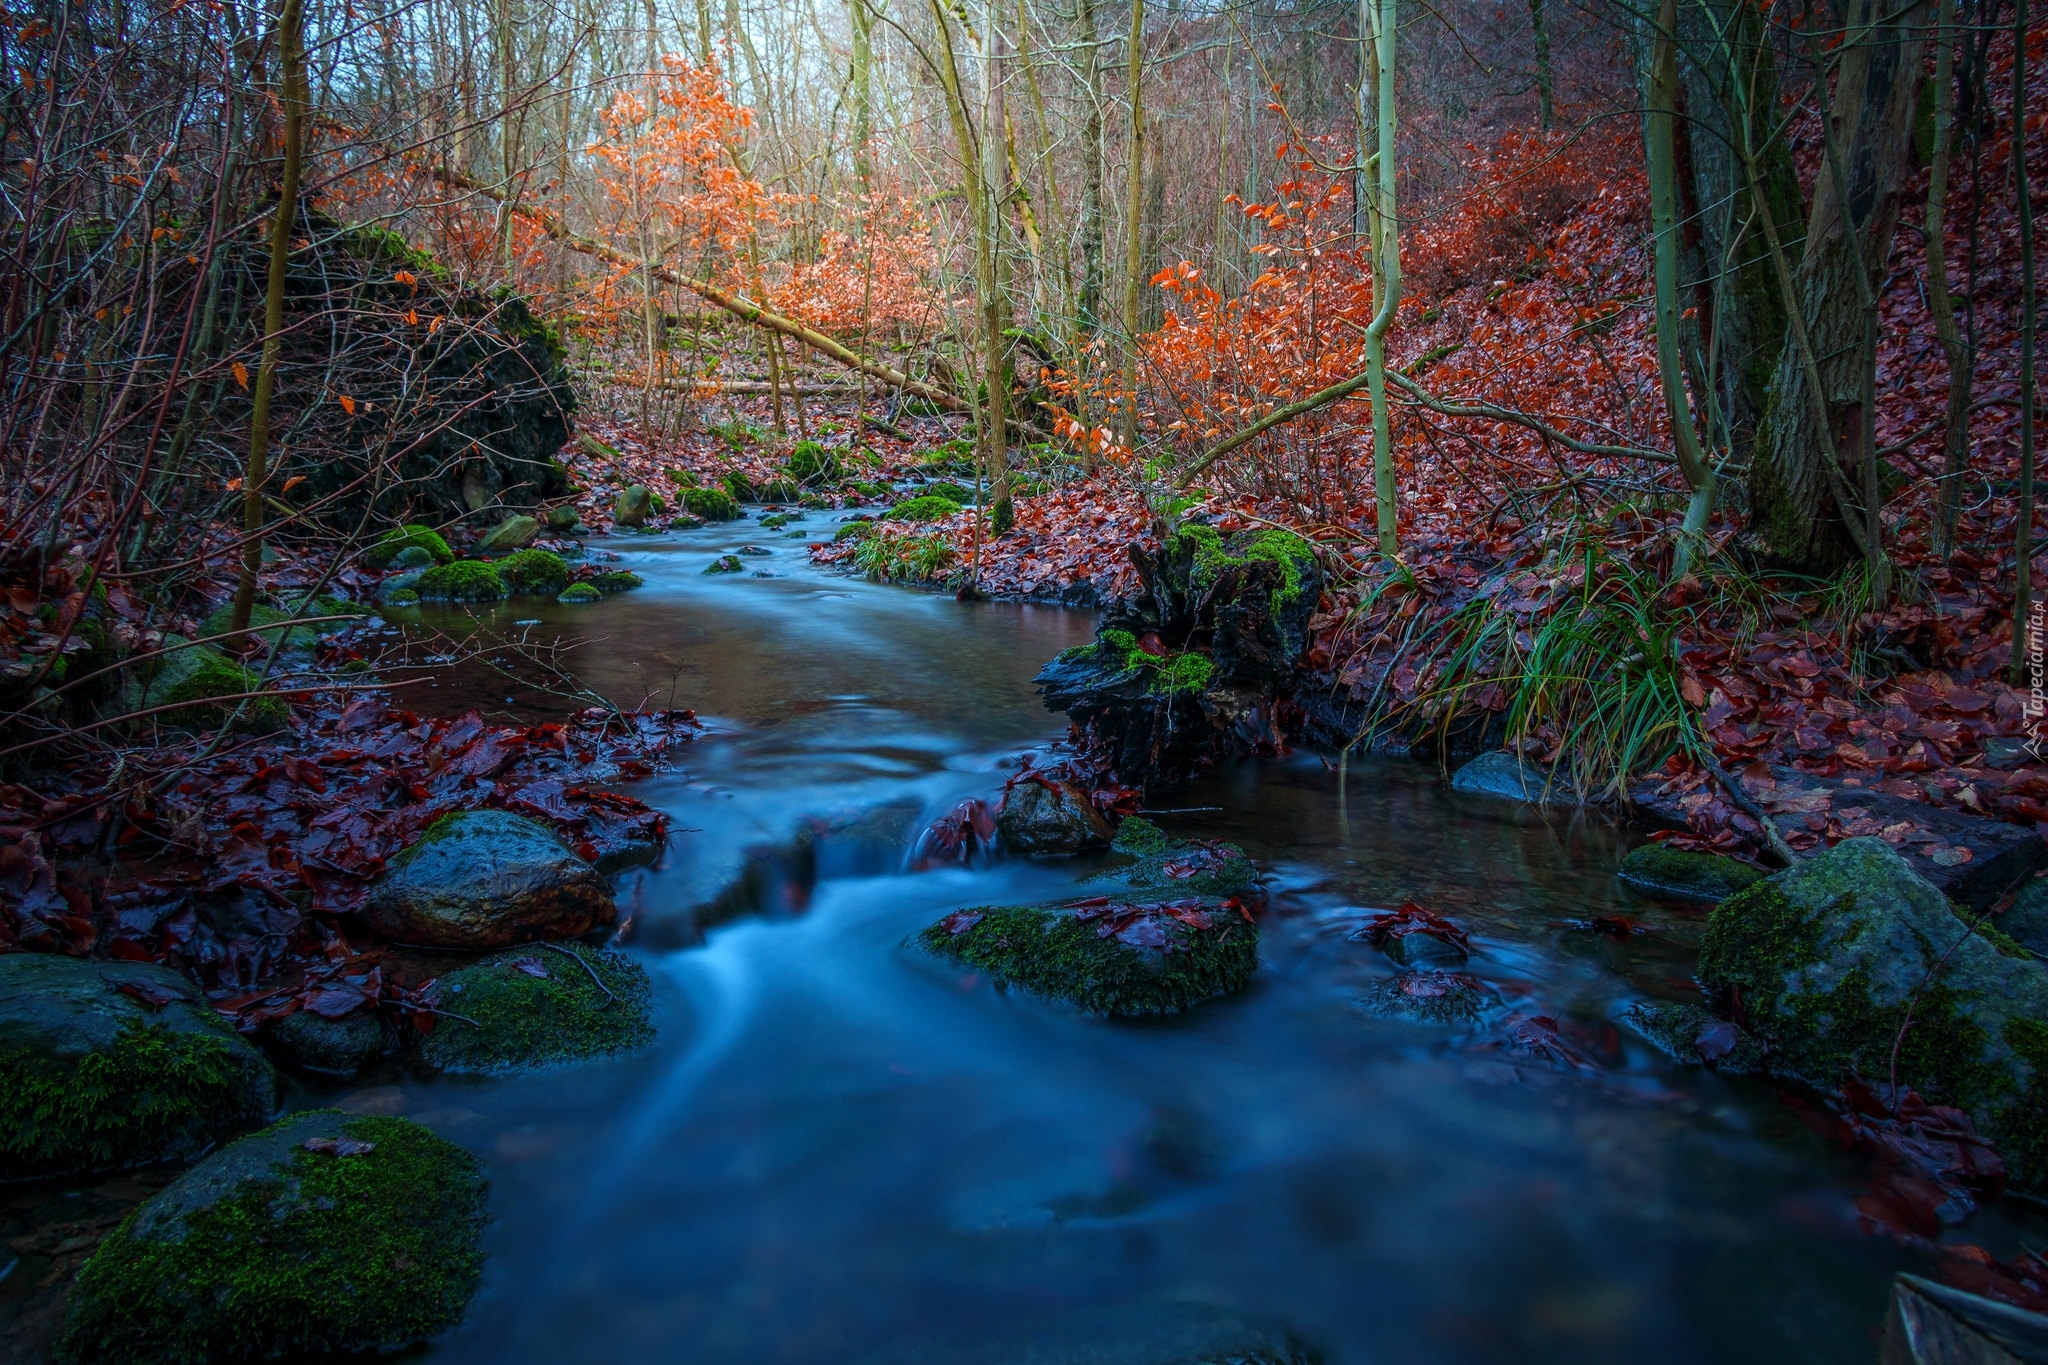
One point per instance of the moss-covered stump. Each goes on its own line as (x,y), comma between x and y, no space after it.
(191,681)
(466,580)
(1852,956)
(105,1065)
(325,1234)
(1148,859)
(1107,957)
(1050,817)
(401,538)
(515,532)
(1684,875)
(632,506)
(485,879)
(535,1006)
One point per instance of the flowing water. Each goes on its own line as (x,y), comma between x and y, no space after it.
(839,1151)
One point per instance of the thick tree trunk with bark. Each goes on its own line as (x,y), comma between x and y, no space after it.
(1805,484)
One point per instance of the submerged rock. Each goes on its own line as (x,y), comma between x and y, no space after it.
(632,506)
(1107,957)
(532,1006)
(325,1234)
(486,879)
(1685,875)
(1050,817)
(1431,997)
(1692,1035)
(106,1065)
(1849,958)
(1499,773)
(329,1047)
(1187,670)
(1148,859)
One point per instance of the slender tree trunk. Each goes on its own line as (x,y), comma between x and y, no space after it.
(1379,18)
(2023,568)
(863,97)
(1539,38)
(1134,211)
(1961,360)
(291,46)
(1089,314)
(1801,499)
(1659,137)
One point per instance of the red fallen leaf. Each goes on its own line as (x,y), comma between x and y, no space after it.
(333,1002)
(341,1146)
(1965,700)
(960,921)
(1716,1040)
(1411,918)
(357,714)
(150,994)
(422,1021)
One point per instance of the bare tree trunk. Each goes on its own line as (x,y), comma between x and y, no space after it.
(1801,500)
(1960,356)
(1378,18)
(1134,210)
(2023,569)
(1090,312)
(863,96)
(1539,38)
(291,46)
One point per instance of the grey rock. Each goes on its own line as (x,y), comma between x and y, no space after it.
(562,517)
(632,506)
(106,1065)
(1050,817)
(487,879)
(2026,919)
(1430,997)
(412,557)
(1499,773)
(330,1047)
(513,533)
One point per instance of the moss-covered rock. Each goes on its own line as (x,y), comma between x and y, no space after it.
(1851,960)
(2026,920)
(325,1234)
(515,532)
(580,594)
(562,517)
(1107,957)
(1680,1028)
(400,597)
(466,580)
(485,879)
(105,1065)
(1146,858)
(411,557)
(1685,875)
(329,1047)
(853,530)
(775,521)
(632,506)
(398,538)
(273,621)
(187,677)
(951,492)
(617,580)
(727,564)
(534,1006)
(738,488)
(923,509)
(811,463)
(541,572)
(1430,998)
(712,504)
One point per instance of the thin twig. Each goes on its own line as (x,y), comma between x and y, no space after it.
(577,958)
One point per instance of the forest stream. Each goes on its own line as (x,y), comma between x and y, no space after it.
(837,1148)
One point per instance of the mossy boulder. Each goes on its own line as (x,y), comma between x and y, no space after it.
(535,1006)
(400,538)
(400,597)
(811,463)
(485,879)
(265,623)
(580,594)
(738,487)
(326,1234)
(562,517)
(951,492)
(411,557)
(775,521)
(632,506)
(1146,858)
(466,580)
(540,572)
(853,530)
(1851,962)
(1685,875)
(106,1065)
(515,532)
(712,504)
(727,564)
(1107,957)
(923,509)
(617,580)
(329,1047)
(682,478)
(1040,817)
(188,677)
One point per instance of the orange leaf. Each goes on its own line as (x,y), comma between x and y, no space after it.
(293,482)
(234,485)
(348,404)
(241,374)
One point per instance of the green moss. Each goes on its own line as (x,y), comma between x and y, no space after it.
(402,597)
(1051,952)
(2021,1131)
(811,463)
(726,564)
(1140,838)
(853,530)
(1186,672)
(153,1091)
(580,592)
(222,621)
(683,478)
(617,580)
(466,580)
(1205,545)
(712,504)
(923,509)
(775,521)
(307,1255)
(209,673)
(515,1018)
(737,488)
(534,571)
(951,492)
(1691,876)
(398,538)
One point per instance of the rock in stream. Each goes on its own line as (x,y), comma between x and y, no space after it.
(486,879)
